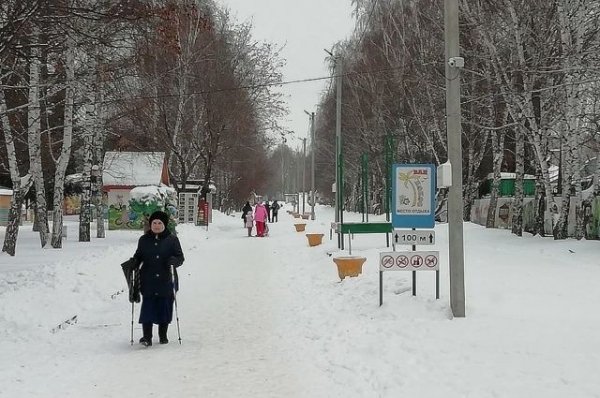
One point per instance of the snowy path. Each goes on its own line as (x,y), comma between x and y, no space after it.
(235,313)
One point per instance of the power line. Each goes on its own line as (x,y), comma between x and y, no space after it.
(256,86)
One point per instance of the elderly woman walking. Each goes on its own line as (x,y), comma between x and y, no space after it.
(159,252)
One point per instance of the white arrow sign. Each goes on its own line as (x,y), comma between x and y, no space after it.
(416,237)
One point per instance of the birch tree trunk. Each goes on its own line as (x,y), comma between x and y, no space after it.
(34,138)
(571,16)
(517,203)
(498,153)
(561,226)
(596,181)
(98,148)
(475,158)
(539,206)
(85,208)
(98,183)
(65,153)
(19,189)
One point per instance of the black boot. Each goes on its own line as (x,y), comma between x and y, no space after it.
(146,340)
(162,333)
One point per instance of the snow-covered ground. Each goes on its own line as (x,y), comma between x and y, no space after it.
(270,318)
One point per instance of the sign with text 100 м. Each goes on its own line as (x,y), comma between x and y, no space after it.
(413,196)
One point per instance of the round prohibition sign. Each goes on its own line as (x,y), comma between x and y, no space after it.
(431,261)
(416,261)
(387,261)
(402,261)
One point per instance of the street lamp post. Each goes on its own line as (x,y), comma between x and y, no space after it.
(303,174)
(282,169)
(312,162)
(339,209)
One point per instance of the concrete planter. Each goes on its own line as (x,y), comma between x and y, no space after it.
(300,227)
(314,239)
(349,265)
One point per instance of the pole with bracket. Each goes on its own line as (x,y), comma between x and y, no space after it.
(453,125)
(312,169)
(338,144)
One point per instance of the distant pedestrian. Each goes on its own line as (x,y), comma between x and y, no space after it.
(247,208)
(268,208)
(249,223)
(260,217)
(275,208)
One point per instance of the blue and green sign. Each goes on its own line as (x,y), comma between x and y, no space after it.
(413,195)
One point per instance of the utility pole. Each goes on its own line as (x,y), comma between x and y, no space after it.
(312,167)
(338,147)
(311,117)
(453,126)
(303,174)
(282,170)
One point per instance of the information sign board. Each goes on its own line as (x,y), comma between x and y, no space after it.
(413,195)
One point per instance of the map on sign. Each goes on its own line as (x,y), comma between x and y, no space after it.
(413,190)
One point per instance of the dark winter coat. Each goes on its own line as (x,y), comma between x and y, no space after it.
(157,253)
(275,207)
(246,209)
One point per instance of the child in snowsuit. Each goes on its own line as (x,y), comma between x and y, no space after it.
(249,222)
(247,208)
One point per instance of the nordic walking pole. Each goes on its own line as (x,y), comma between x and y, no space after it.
(132,304)
(175,301)
(132,322)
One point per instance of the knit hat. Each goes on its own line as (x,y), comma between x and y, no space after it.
(159,215)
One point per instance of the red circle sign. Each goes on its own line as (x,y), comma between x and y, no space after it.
(387,261)
(431,261)
(402,261)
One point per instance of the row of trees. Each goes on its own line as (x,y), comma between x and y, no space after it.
(529,87)
(78,77)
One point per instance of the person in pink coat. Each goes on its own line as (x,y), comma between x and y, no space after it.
(260,217)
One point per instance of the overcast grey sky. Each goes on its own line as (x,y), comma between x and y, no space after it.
(306,27)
